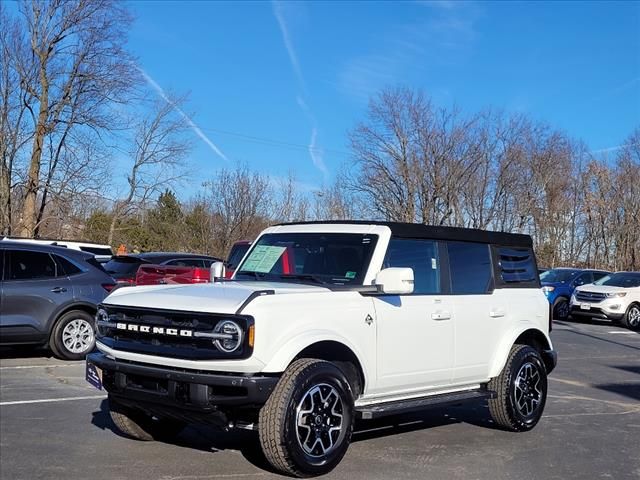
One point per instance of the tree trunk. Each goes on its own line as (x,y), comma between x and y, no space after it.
(5,201)
(29,209)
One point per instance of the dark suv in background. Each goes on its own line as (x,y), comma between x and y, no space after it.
(48,296)
(123,268)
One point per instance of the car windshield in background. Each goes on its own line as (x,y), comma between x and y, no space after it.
(622,279)
(558,275)
(332,258)
(122,265)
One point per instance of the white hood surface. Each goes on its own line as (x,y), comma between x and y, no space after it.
(604,288)
(222,297)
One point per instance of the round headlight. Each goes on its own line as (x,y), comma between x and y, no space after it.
(233,336)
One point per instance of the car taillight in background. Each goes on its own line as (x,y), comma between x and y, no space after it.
(109,286)
(171,275)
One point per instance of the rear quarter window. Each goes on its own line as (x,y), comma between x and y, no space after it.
(470,268)
(516,267)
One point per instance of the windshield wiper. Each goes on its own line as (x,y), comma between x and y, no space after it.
(303,276)
(256,275)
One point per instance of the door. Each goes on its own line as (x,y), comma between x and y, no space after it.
(33,289)
(415,332)
(481,311)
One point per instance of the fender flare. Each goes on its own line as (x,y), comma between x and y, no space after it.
(291,349)
(502,352)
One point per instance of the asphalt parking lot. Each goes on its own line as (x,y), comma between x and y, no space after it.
(54,425)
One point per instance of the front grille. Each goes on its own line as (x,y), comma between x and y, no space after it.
(150,337)
(590,297)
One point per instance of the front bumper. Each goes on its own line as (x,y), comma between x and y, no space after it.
(595,312)
(186,394)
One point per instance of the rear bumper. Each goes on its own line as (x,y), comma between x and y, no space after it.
(595,312)
(550,359)
(186,394)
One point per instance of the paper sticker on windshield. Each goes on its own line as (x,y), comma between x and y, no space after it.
(350,275)
(263,258)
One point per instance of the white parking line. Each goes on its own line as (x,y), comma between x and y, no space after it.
(622,332)
(41,366)
(47,400)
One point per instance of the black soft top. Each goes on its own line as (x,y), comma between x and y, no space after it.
(418,230)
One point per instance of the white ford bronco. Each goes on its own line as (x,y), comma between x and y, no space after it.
(325,323)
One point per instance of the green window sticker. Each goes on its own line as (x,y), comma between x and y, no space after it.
(263,258)
(350,275)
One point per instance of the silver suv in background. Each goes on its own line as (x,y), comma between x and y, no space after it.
(48,296)
(101,252)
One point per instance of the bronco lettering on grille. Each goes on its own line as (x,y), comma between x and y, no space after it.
(173,332)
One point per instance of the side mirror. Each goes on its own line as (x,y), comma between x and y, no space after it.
(216,271)
(396,281)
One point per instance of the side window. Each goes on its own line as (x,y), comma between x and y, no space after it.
(25,265)
(470,265)
(516,265)
(207,263)
(422,257)
(67,268)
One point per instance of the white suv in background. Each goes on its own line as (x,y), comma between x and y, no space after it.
(101,252)
(615,297)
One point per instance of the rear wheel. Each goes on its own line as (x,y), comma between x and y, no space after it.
(521,390)
(631,318)
(305,427)
(142,426)
(73,335)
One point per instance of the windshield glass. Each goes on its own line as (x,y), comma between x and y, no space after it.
(333,258)
(622,279)
(558,275)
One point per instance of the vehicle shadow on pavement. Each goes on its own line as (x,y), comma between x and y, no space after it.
(201,437)
(212,440)
(24,352)
(473,413)
(630,389)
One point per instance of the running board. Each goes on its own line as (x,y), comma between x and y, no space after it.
(369,412)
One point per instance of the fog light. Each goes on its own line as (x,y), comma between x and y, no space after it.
(614,307)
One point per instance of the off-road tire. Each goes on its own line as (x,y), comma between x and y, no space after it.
(627,321)
(503,407)
(142,426)
(56,342)
(278,428)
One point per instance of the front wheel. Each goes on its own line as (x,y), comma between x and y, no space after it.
(305,427)
(73,335)
(521,390)
(561,309)
(631,318)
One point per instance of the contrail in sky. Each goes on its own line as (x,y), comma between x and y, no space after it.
(190,122)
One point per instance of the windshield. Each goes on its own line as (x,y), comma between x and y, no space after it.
(623,279)
(236,254)
(332,258)
(558,275)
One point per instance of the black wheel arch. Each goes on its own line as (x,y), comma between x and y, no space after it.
(537,340)
(342,356)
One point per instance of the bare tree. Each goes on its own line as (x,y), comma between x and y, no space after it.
(159,149)
(76,67)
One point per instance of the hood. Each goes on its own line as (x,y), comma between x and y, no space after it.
(223,297)
(553,284)
(600,288)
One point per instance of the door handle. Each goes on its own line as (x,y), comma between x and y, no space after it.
(441,316)
(497,313)
(58,289)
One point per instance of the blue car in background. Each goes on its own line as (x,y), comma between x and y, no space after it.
(558,285)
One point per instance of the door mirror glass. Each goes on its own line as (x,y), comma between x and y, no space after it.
(395,280)
(216,271)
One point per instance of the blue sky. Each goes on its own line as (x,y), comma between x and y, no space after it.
(299,75)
